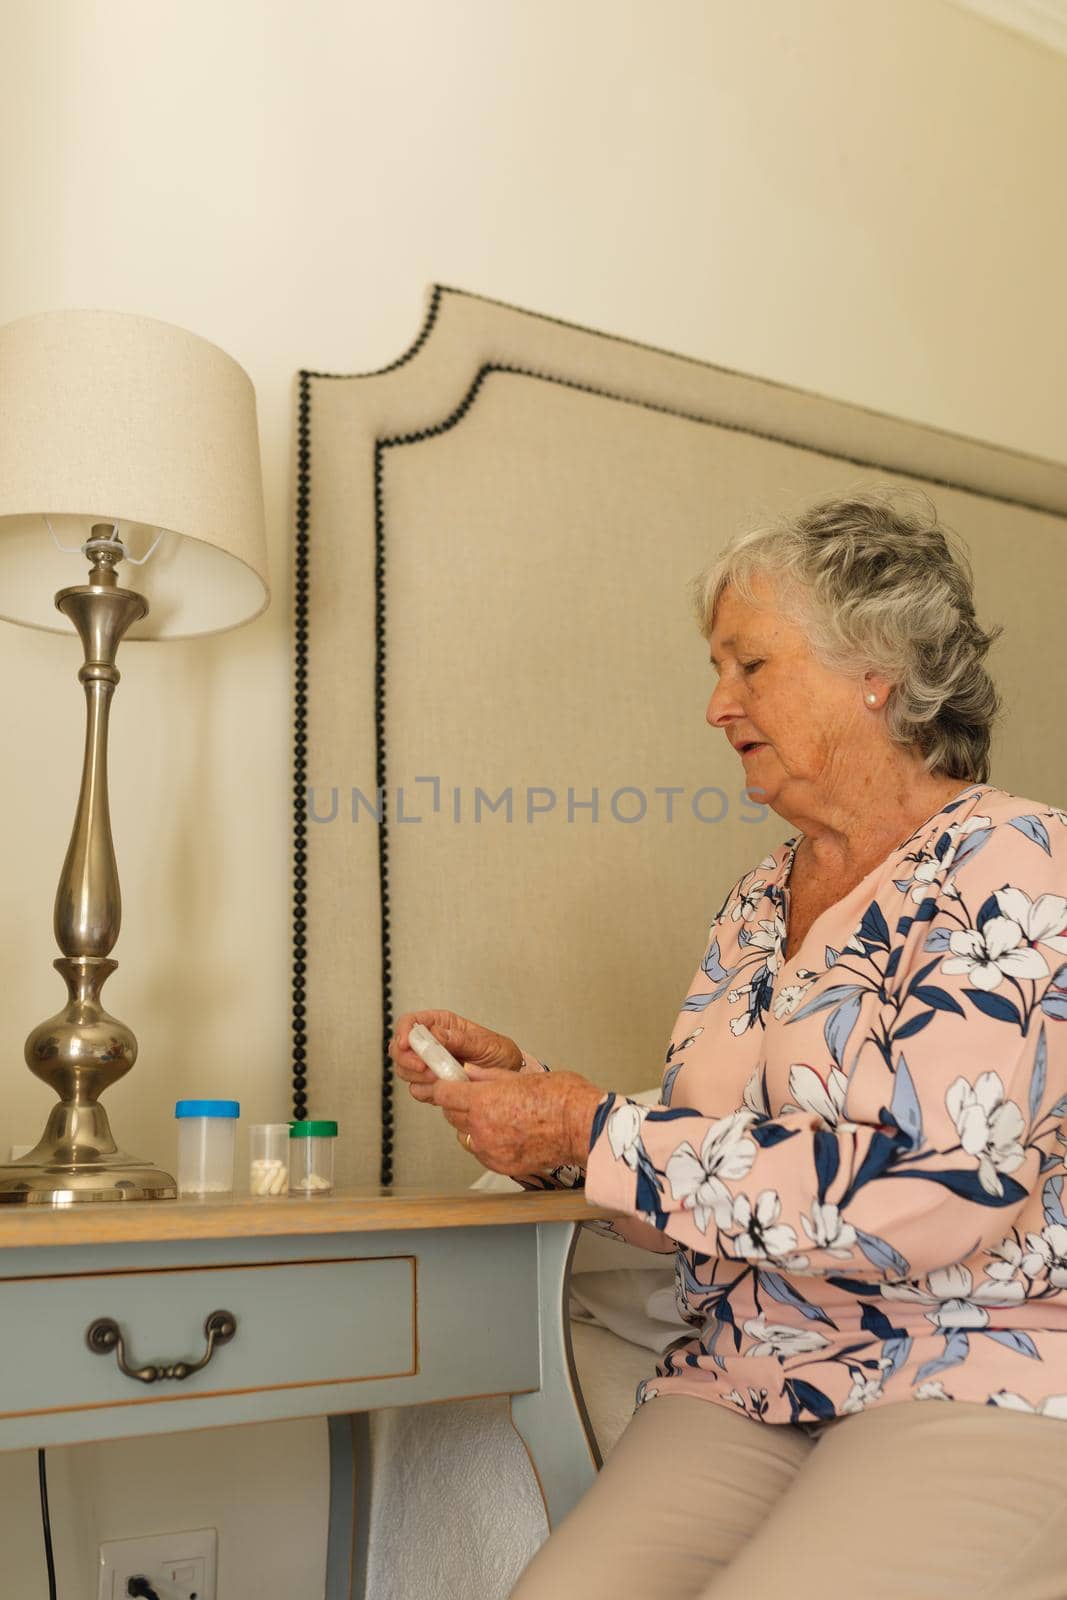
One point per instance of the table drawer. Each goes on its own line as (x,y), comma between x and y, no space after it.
(298,1324)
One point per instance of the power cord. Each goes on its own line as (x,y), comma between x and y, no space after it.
(46,1526)
(136,1586)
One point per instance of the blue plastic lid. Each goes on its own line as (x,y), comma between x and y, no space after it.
(208,1108)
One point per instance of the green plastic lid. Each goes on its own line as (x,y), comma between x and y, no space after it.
(313,1130)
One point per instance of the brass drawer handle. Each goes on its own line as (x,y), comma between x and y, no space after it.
(104,1335)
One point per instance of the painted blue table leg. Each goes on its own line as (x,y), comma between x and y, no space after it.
(350,1489)
(553,1422)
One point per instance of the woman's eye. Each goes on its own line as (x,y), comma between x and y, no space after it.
(750,666)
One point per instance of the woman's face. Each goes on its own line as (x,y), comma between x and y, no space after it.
(808,727)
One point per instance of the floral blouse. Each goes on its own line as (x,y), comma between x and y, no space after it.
(859,1153)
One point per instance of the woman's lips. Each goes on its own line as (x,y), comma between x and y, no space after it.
(752,749)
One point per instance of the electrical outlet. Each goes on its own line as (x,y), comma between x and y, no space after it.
(178,1566)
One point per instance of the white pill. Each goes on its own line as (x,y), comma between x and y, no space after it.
(267,1175)
(312,1183)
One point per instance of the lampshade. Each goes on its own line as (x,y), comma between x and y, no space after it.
(106,417)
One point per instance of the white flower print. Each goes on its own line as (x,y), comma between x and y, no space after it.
(959,1304)
(788,998)
(989,954)
(1041,921)
(763,1237)
(828,1232)
(753,1096)
(864,1392)
(624,1133)
(740,1025)
(958,831)
(1046,1252)
(1007,1260)
(749,902)
(1053,1405)
(754,1406)
(769,937)
(923,880)
(774,1339)
(696,1181)
(933,1389)
(812,1092)
(988,1126)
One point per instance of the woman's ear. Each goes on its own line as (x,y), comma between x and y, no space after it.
(875,690)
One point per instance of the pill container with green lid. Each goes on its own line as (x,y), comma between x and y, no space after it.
(311,1146)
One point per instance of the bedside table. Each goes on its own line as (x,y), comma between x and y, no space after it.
(334,1306)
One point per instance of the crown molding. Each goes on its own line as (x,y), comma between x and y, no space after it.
(1042,20)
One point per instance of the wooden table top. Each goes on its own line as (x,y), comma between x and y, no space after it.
(366,1209)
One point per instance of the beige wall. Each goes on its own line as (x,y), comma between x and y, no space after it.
(857,196)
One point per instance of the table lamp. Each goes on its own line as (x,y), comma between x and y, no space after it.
(121,439)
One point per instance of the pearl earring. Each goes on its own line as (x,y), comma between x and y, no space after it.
(872,699)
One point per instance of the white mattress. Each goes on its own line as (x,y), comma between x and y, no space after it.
(610,1369)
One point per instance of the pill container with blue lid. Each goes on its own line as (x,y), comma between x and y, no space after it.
(206,1130)
(311,1157)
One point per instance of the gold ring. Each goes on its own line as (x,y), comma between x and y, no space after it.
(467,1140)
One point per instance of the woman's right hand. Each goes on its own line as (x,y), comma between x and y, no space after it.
(466,1040)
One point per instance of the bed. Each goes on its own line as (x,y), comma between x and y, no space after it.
(505,797)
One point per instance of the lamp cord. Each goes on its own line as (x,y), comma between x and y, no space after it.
(46,1524)
(136,1586)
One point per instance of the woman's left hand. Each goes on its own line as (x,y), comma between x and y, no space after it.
(521,1123)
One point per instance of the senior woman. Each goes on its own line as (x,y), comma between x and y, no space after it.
(858,1157)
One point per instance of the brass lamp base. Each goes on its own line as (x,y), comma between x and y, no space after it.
(27,1183)
(83,1049)
(75,1160)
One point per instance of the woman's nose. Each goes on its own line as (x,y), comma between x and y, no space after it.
(722,707)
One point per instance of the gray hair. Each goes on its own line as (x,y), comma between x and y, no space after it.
(879,585)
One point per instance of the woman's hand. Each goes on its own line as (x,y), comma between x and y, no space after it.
(521,1125)
(468,1041)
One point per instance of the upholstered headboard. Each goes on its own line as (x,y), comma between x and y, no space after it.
(494,537)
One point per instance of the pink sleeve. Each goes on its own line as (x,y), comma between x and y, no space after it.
(629,1230)
(950,1029)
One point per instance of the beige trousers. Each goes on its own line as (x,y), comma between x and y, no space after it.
(911,1501)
